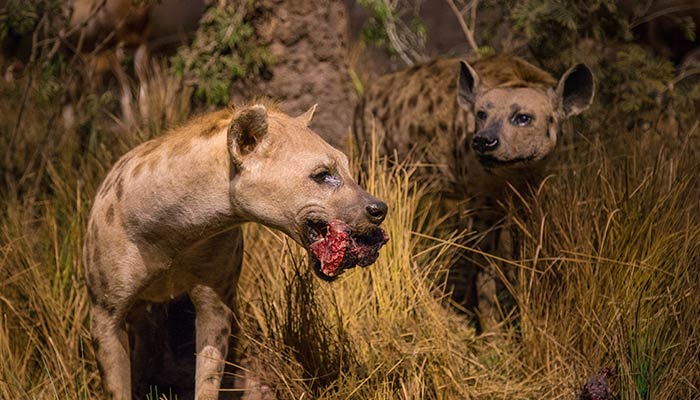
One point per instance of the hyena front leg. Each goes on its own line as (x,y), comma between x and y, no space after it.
(486,289)
(112,352)
(213,328)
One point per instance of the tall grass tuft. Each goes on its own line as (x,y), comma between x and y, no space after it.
(612,243)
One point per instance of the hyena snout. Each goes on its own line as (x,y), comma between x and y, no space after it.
(485,141)
(376,211)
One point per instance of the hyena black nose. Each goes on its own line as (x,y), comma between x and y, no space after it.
(377,211)
(485,143)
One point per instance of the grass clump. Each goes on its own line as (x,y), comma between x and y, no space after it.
(613,246)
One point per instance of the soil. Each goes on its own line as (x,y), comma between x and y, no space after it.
(308,39)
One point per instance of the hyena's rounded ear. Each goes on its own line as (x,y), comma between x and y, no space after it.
(467,84)
(575,90)
(247,129)
(308,115)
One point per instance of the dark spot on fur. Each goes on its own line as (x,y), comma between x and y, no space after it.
(430,107)
(148,147)
(459,131)
(123,161)
(375,112)
(421,131)
(118,178)
(120,189)
(443,126)
(385,101)
(219,309)
(210,131)
(114,177)
(106,187)
(412,101)
(222,337)
(551,128)
(179,148)
(110,214)
(110,306)
(439,100)
(137,170)
(153,162)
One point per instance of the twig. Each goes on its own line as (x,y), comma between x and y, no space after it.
(393,35)
(86,21)
(475,7)
(661,13)
(685,74)
(468,33)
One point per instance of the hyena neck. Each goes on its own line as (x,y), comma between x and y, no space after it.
(194,200)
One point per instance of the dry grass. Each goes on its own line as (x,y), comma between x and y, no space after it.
(608,275)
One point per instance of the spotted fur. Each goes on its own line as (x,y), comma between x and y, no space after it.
(164,238)
(479,131)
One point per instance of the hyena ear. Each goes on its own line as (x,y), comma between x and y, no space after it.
(246,131)
(308,115)
(467,84)
(575,90)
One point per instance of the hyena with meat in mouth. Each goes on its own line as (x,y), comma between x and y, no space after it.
(166,224)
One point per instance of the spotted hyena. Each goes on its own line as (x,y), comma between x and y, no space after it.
(482,129)
(166,225)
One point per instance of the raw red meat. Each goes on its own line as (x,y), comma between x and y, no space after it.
(339,250)
(332,248)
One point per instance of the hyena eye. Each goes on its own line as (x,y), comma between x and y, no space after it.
(325,177)
(521,119)
(481,115)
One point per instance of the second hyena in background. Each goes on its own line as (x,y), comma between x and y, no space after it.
(481,130)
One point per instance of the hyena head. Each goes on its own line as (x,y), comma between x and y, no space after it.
(519,124)
(286,177)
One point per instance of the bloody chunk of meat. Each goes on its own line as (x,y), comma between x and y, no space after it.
(339,249)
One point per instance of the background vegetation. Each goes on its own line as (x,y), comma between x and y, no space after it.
(609,245)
